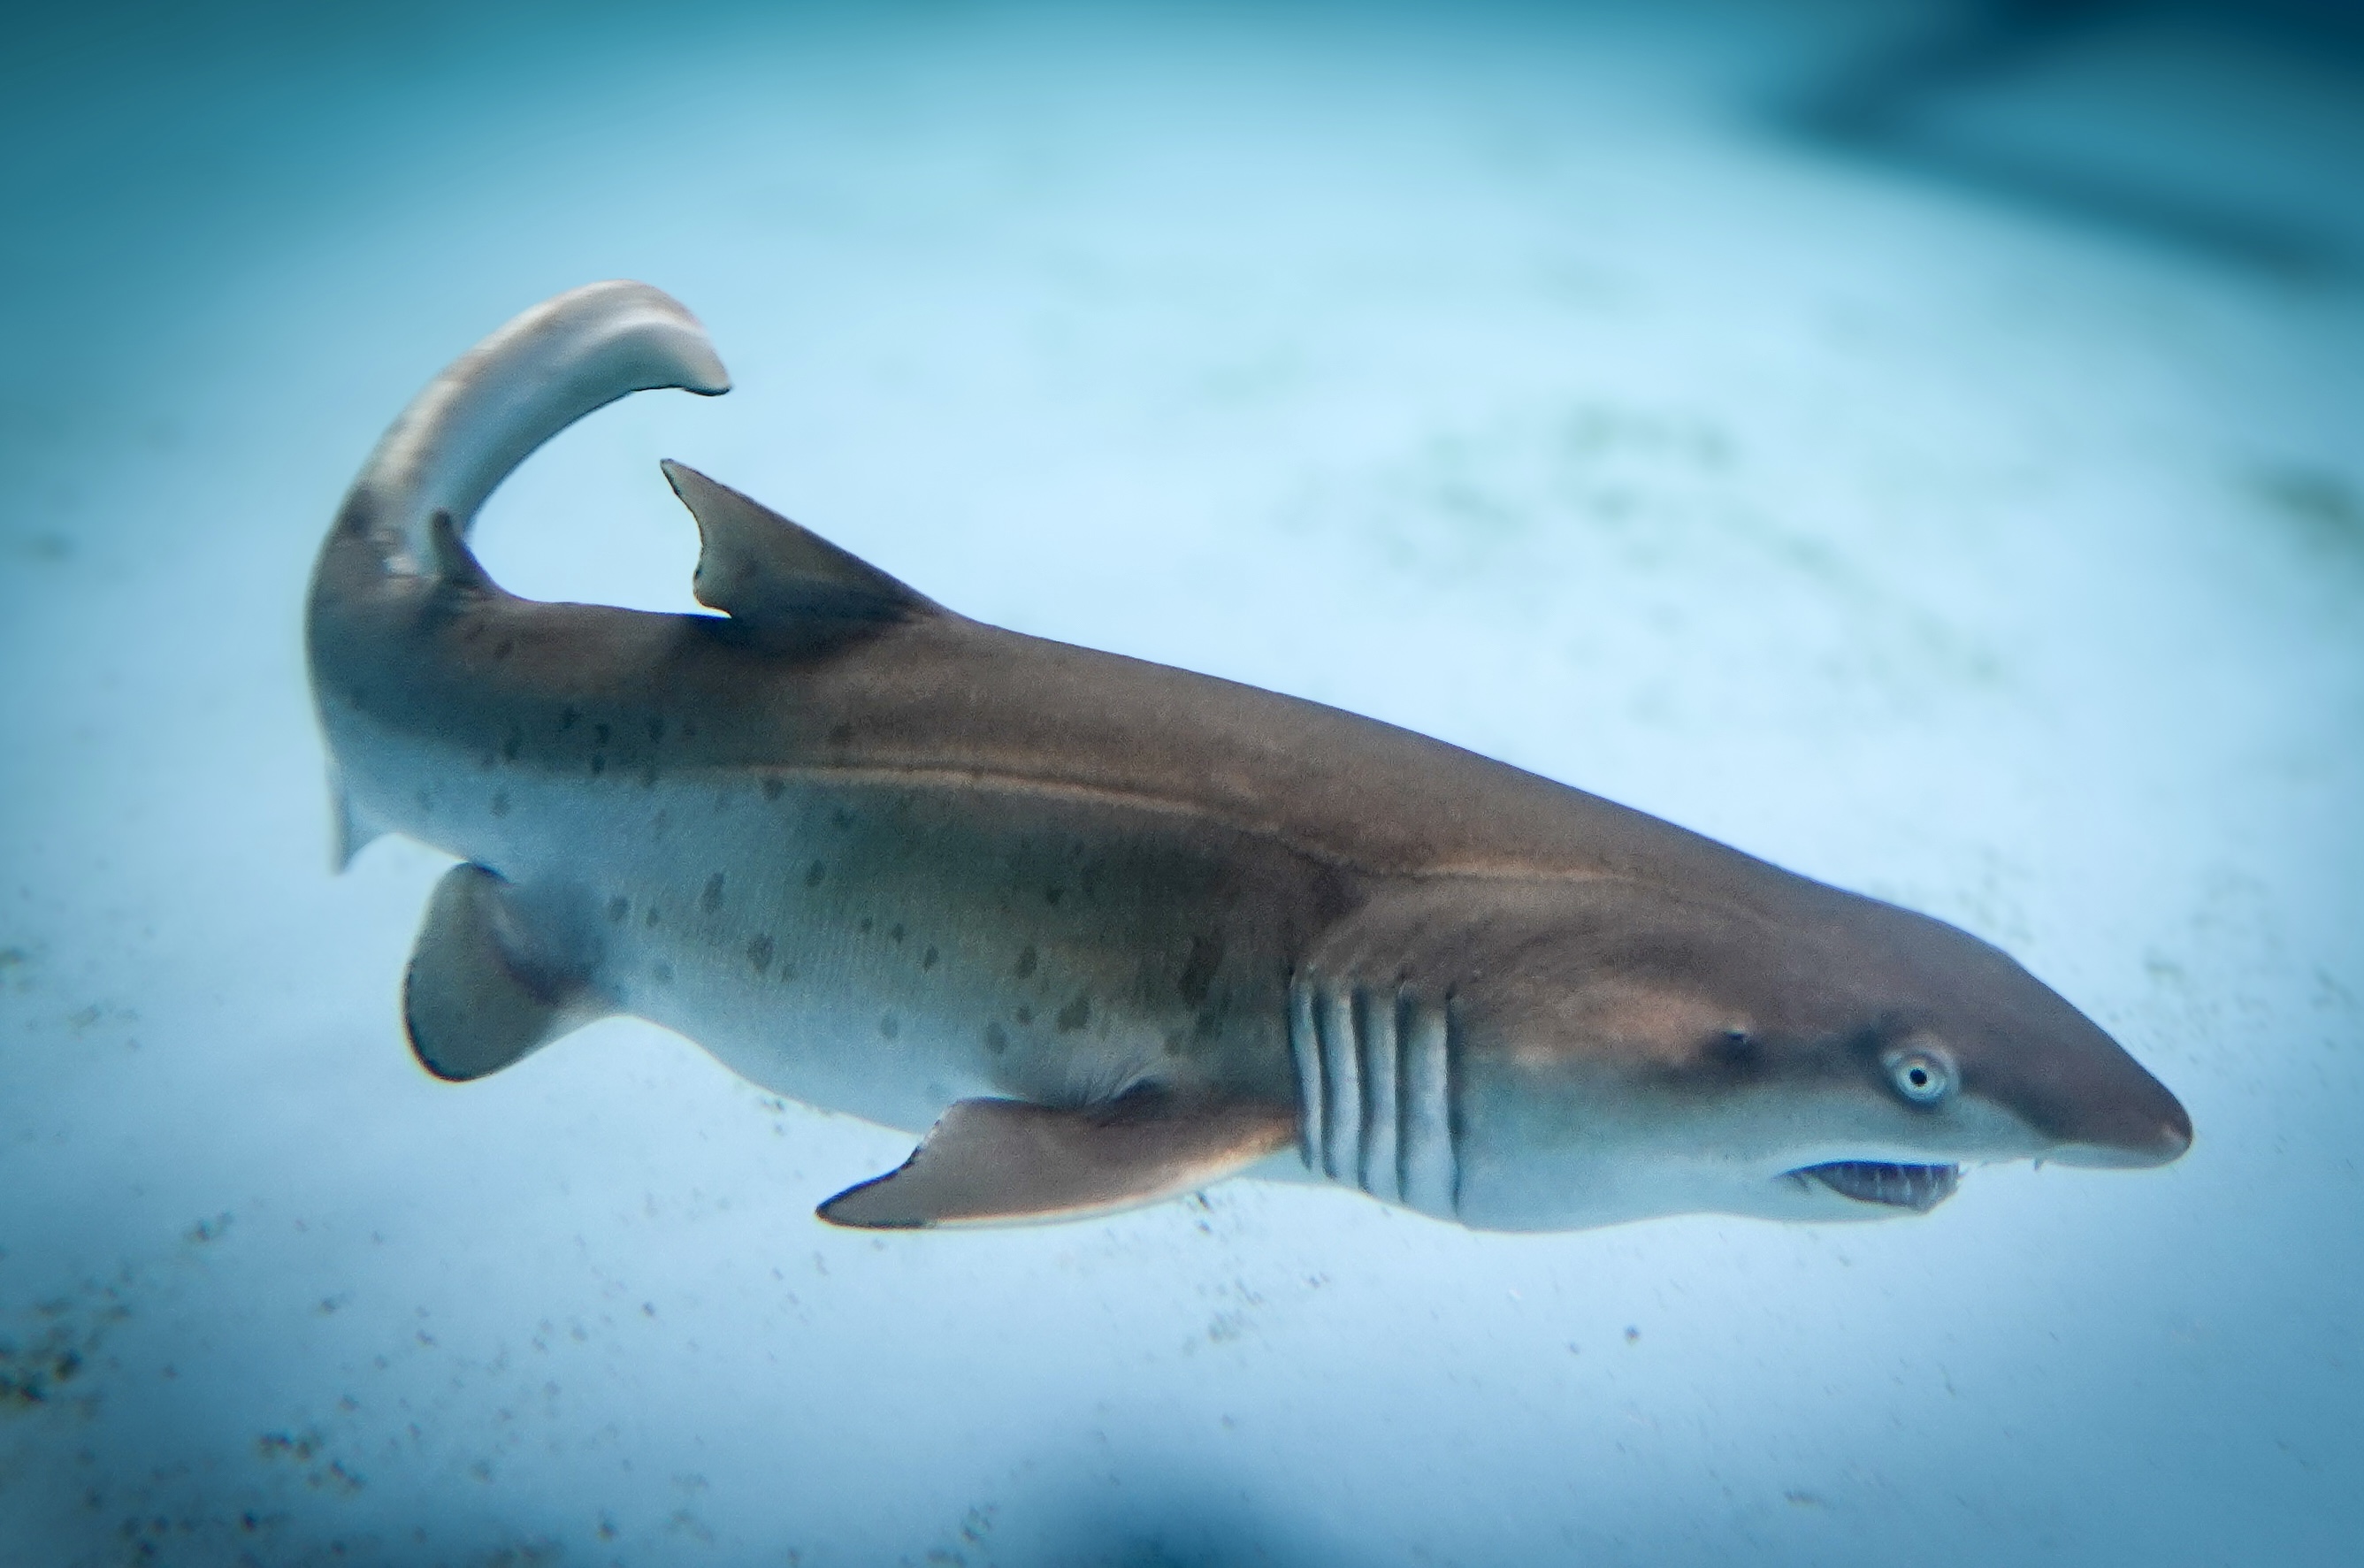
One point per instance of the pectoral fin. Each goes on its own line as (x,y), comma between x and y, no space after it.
(1006,1162)
(486,987)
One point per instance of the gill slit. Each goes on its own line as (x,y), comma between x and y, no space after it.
(1376,1071)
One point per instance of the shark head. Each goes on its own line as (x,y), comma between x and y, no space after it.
(1628,1049)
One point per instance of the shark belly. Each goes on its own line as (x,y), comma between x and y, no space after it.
(888,942)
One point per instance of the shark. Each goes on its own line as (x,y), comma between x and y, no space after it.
(1095,931)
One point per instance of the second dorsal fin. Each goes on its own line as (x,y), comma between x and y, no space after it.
(760,568)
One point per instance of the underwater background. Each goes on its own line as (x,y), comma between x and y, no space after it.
(1921,444)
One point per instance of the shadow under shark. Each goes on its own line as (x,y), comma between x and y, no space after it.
(1113,930)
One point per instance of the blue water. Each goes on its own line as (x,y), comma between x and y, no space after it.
(1981,540)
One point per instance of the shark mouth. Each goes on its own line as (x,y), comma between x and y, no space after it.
(1917,1187)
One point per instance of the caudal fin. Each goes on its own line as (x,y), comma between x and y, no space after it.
(497,402)
(407,515)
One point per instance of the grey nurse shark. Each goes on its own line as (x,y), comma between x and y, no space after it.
(1112,932)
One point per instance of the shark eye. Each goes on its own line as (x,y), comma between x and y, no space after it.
(1922,1076)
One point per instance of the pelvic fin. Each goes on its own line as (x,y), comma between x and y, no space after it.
(483,991)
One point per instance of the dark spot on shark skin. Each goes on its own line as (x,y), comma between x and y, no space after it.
(506,646)
(659,824)
(1024,1016)
(664,971)
(1208,1024)
(598,763)
(656,731)
(841,818)
(649,776)
(1734,1051)
(711,899)
(866,925)
(773,789)
(511,746)
(759,953)
(567,719)
(500,803)
(1199,970)
(840,734)
(1052,894)
(1173,1043)
(1026,961)
(598,735)
(929,960)
(996,1038)
(689,729)
(651,921)
(895,933)
(889,1026)
(619,907)
(814,873)
(1076,1014)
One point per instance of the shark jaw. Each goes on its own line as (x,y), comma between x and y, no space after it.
(1919,1188)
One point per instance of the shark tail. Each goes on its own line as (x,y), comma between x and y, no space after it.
(407,515)
(494,404)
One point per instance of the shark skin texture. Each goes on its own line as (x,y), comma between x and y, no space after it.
(1106,932)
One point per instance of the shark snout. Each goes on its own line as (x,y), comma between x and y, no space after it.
(2106,1111)
(2157,1137)
(2087,1100)
(2074,1086)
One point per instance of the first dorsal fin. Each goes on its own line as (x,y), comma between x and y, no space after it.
(760,568)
